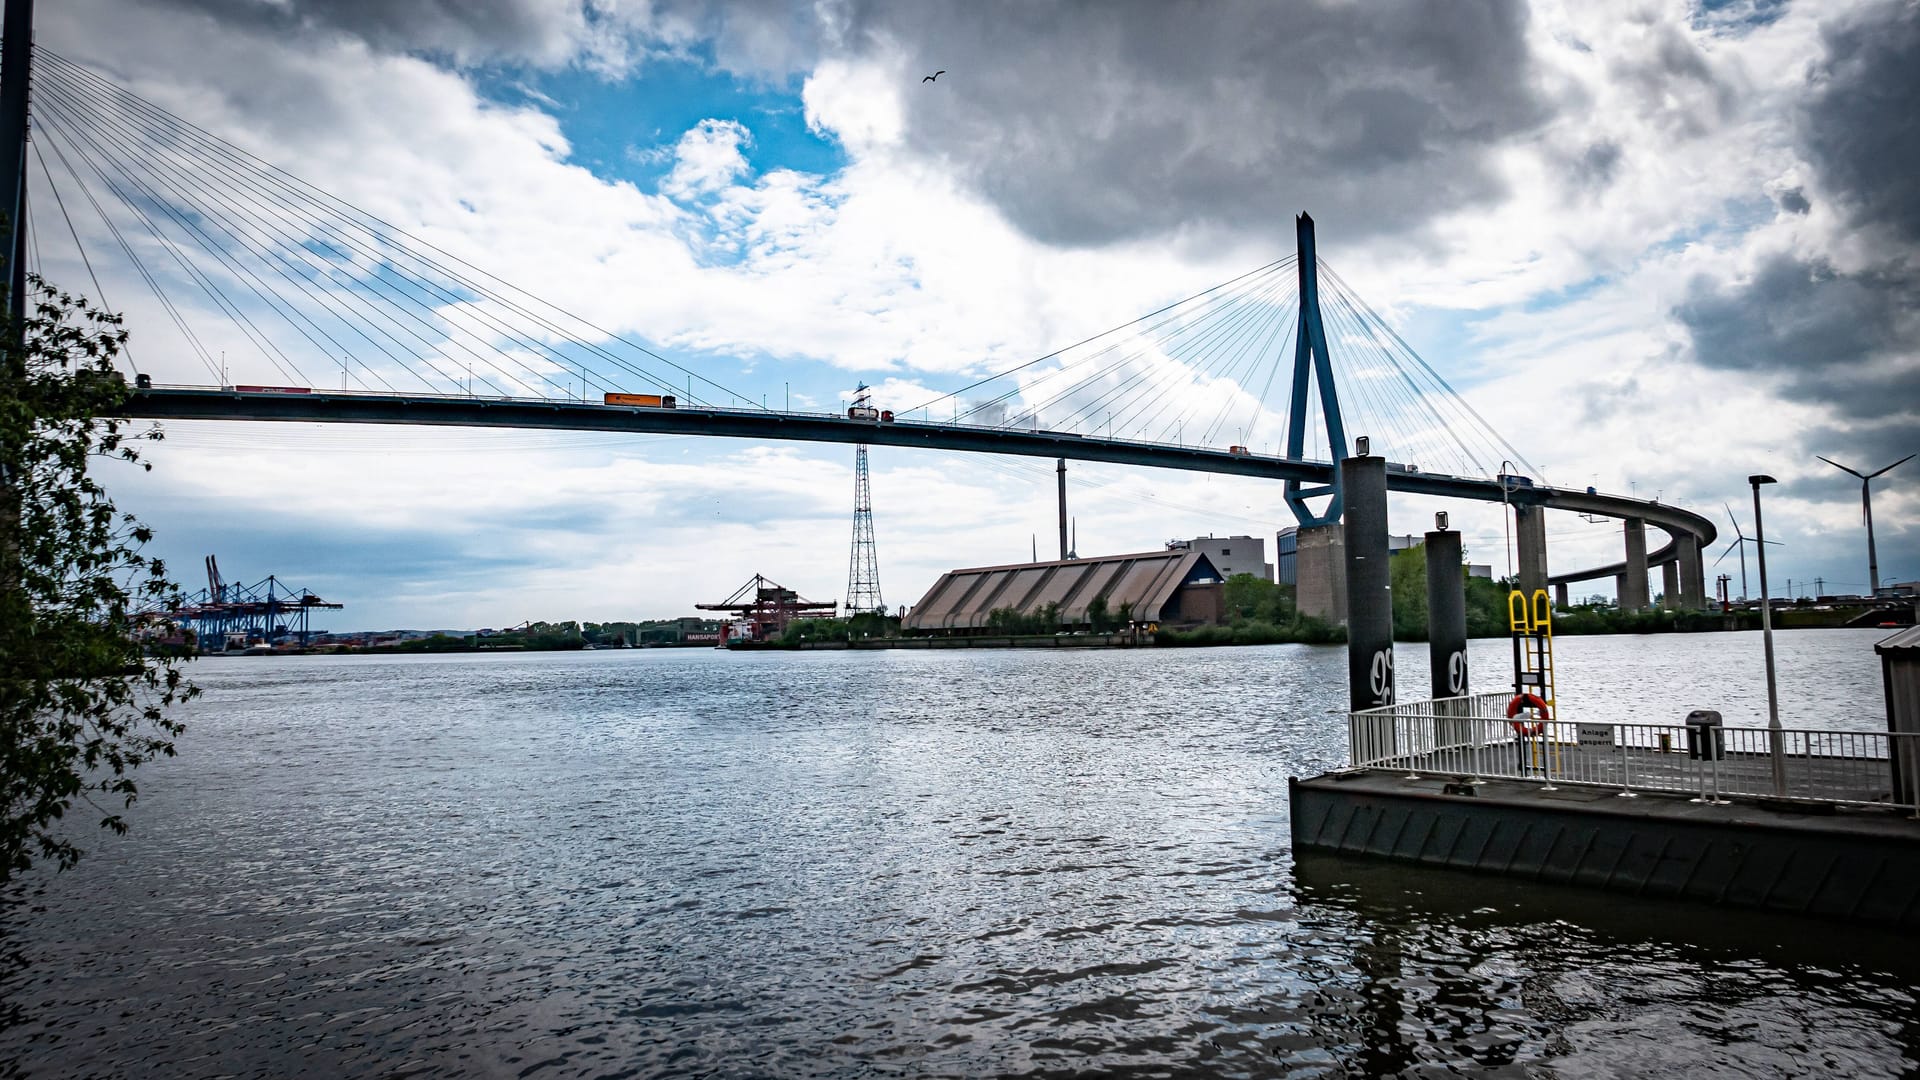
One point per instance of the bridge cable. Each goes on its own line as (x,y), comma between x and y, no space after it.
(302,275)
(1365,399)
(213,291)
(1437,378)
(306,282)
(265,250)
(1228,302)
(1142,420)
(1125,385)
(125,349)
(320,197)
(1095,337)
(139,265)
(1223,302)
(1245,363)
(1246,357)
(293,274)
(1405,394)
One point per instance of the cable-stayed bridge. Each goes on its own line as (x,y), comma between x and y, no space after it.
(273,290)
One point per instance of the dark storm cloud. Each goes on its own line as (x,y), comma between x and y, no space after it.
(1093,123)
(1595,168)
(1674,85)
(541,31)
(1861,127)
(1845,338)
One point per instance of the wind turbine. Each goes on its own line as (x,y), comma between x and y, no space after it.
(1740,540)
(1866,512)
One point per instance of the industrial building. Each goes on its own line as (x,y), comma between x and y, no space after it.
(1173,588)
(1230,555)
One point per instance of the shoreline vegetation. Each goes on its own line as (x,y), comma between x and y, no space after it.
(1254,612)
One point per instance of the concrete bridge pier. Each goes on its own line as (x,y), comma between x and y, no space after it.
(1320,573)
(1530,535)
(1670,585)
(1633,583)
(1693,574)
(1560,596)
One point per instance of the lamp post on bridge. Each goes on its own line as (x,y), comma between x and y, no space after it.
(1776,740)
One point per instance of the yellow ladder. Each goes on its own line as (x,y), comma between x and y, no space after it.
(1530,619)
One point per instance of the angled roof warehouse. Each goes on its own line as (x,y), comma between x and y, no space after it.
(1149,582)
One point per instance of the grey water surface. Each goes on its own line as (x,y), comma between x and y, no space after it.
(965,863)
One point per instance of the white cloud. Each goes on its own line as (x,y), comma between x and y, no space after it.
(707,158)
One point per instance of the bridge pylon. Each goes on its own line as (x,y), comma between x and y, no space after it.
(1311,364)
(16,75)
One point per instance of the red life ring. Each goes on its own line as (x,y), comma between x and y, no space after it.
(1528,701)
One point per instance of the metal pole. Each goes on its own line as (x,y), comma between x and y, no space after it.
(1776,741)
(1061,469)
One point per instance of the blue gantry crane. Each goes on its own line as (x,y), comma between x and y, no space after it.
(231,617)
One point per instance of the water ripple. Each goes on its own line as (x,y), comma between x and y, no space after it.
(944,864)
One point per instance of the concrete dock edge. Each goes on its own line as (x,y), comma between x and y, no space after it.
(1859,865)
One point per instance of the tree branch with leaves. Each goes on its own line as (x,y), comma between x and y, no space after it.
(82,704)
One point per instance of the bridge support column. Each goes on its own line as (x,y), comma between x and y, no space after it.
(1446,614)
(1693,575)
(1369,583)
(1530,535)
(1320,572)
(1670,585)
(1633,595)
(1560,599)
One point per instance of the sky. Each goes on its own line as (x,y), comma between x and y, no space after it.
(1660,247)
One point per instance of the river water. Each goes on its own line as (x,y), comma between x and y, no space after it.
(968,863)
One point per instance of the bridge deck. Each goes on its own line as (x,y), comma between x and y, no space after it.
(311,406)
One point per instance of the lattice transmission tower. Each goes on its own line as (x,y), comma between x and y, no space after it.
(863,565)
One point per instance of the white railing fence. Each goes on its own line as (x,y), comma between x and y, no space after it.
(1470,738)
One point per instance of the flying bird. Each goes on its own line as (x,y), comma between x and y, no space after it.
(935,75)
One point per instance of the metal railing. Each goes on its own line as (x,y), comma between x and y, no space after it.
(1470,738)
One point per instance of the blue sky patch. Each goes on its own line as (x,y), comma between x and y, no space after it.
(626,129)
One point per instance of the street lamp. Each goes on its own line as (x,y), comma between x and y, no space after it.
(1776,742)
